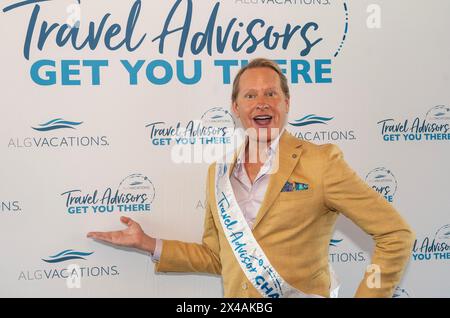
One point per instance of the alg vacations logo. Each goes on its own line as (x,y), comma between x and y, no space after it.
(10,207)
(383,181)
(134,194)
(434,126)
(433,247)
(316,128)
(190,29)
(65,268)
(57,133)
(339,254)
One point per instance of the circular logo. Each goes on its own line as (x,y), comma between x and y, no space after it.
(138,184)
(220,120)
(383,181)
(443,233)
(438,114)
(400,293)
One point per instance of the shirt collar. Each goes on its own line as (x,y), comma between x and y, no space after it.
(238,169)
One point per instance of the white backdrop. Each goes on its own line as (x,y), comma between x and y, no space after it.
(76,125)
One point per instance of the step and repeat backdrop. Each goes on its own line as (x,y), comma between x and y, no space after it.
(112,108)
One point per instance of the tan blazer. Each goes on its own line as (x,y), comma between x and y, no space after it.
(294,228)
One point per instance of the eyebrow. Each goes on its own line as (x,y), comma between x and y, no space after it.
(255,89)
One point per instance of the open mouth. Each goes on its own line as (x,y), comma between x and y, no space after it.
(262,120)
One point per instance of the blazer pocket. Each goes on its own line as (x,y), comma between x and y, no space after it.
(296,195)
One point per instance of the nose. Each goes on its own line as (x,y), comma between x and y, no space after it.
(262,106)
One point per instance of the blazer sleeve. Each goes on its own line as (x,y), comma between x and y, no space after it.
(177,256)
(346,193)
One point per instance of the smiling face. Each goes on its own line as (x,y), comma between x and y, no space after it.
(261,103)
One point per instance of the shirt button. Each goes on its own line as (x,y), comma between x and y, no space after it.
(244,286)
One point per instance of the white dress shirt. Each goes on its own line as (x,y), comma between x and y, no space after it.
(248,196)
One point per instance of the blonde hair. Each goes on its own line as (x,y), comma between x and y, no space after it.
(256,63)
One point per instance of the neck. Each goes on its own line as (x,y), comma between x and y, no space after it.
(256,151)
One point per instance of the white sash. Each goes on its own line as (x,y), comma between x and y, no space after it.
(250,256)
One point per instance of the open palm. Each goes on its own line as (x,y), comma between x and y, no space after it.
(132,236)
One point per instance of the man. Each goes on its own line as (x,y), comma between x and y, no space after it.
(284,208)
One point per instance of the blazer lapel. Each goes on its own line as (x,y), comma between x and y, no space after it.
(290,149)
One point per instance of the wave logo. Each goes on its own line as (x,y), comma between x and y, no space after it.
(400,293)
(383,181)
(311,120)
(57,123)
(66,256)
(335,243)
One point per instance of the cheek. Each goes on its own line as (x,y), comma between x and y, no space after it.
(283,109)
(246,114)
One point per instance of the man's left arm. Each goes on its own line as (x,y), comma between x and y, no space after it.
(346,193)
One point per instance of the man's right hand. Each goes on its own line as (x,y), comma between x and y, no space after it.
(132,236)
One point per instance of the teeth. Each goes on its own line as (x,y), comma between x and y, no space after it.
(262,117)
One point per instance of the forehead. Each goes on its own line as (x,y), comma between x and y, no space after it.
(259,78)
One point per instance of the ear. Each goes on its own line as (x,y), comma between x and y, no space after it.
(288,105)
(235,109)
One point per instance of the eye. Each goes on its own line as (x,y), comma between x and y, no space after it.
(271,93)
(249,95)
